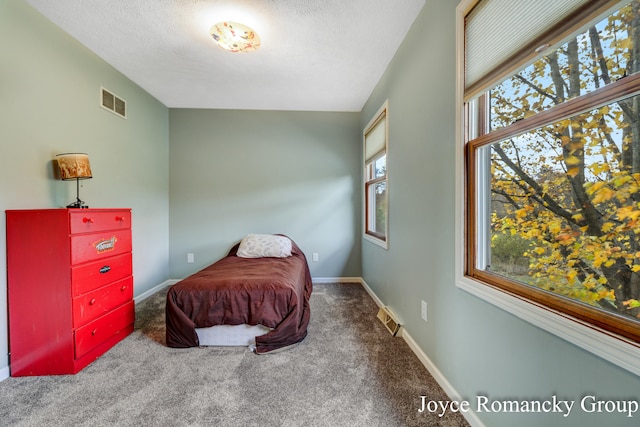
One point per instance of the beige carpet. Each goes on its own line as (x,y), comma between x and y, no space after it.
(349,371)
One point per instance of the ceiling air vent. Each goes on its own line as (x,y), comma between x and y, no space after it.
(112,103)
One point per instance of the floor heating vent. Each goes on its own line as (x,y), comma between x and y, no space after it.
(389,320)
(113,103)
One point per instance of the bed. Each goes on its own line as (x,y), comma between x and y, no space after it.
(262,288)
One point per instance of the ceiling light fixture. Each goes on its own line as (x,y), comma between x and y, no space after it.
(235,37)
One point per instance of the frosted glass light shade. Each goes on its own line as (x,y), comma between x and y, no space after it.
(235,37)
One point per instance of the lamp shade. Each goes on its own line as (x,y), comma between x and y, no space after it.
(74,166)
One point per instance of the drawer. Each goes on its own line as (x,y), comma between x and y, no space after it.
(93,275)
(94,304)
(89,221)
(103,328)
(91,247)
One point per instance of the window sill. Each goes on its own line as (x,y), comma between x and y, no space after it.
(612,348)
(372,239)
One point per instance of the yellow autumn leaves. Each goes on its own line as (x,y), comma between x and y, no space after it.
(562,256)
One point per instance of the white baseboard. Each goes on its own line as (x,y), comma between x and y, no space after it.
(372,294)
(4,373)
(318,280)
(153,290)
(336,280)
(451,392)
(470,416)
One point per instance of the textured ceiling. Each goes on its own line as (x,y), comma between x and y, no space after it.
(316,55)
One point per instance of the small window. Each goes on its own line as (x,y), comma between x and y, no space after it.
(375,179)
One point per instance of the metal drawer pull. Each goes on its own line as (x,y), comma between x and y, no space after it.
(89,220)
(93,301)
(105,269)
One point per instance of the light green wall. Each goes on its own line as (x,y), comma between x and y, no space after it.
(239,172)
(479,348)
(49,104)
(235,172)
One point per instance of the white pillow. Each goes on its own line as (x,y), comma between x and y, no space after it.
(264,245)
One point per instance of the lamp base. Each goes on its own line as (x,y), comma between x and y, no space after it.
(78,204)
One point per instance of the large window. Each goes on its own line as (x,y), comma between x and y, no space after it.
(375,178)
(553,162)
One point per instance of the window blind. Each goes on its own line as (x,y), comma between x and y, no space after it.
(496,31)
(375,139)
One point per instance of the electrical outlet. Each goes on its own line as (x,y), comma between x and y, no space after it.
(190,258)
(424,311)
(315,257)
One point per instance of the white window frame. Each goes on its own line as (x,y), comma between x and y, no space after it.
(613,348)
(384,243)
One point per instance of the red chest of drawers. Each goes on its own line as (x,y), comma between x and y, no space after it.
(70,287)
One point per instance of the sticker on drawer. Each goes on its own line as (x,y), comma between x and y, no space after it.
(92,247)
(105,245)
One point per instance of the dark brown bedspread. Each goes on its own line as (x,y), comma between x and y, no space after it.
(273,292)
